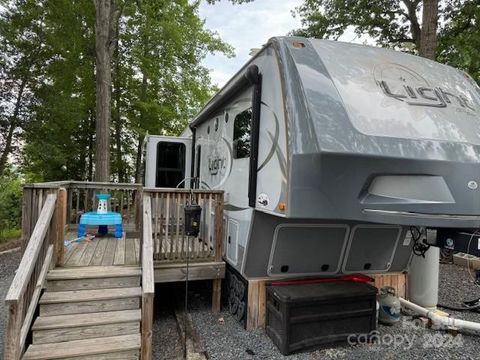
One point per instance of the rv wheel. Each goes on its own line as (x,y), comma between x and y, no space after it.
(240,311)
(232,304)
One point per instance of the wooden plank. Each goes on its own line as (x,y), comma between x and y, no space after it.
(93,306)
(97,257)
(147,248)
(137,250)
(148,284)
(219,230)
(256,306)
(130,257)
(124,355)
(216,295)
(93,283)
(93,272)
(74,259)
(76,320)
(85,332)
(197,271)
(89,295)
(109,255)
(88,253)
(177,225)
(70,249)
(60,222)
(156,240)
(26,216)
(119,258)
(397,280)
(12,350)
(76,348)
(27,322)
(147,326)
(168,253)
(29,259)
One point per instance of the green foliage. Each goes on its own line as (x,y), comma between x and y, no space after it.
(459,41)
(10,205)
(158,80)
(397,24)
(388,22)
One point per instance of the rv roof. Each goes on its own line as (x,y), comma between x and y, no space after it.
(381,91)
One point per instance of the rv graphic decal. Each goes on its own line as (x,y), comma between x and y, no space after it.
(216,164)
(403,84)
(425,96)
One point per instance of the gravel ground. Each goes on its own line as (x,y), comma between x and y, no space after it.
(406,340)
(8,264)
(231,341)
(166,342)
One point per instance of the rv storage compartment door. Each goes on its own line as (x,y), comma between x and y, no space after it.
(168,161)
(371,248)
(232,236)
(307,249)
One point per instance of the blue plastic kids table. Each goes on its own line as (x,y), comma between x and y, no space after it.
(101,218)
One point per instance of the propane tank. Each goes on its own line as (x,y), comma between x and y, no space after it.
(389,312)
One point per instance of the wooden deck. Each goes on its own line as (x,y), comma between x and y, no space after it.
(94,299)
(102,251)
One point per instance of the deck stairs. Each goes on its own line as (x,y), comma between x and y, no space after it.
(89,313)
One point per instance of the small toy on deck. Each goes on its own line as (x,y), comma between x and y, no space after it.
(101,218)
(87,238)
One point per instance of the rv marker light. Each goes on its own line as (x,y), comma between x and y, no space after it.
(298,45)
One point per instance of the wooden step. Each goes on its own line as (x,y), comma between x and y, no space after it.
(123,347)
(59,328)
(93,277)
(93,283)
(89,301)
(93,272)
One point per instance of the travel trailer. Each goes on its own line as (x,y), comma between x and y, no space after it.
(328,153)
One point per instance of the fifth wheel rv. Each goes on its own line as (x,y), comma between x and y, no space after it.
(328,153)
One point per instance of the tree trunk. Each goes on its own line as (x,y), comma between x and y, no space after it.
(103,27)
(428,37)
(13,123)
(117,115)
(138,161)
(91,146)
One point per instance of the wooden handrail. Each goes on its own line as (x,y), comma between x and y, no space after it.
(188,191)
(148,282)
(32,251)
(25,290)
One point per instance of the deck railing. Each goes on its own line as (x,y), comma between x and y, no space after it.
(44,247)
(148,281)
(170,244)
(49,209)
(125,199)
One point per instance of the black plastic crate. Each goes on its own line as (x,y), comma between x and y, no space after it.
(302,316)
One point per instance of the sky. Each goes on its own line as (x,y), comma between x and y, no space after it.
(245,27)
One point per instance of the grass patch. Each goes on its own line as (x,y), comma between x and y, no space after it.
(9,234)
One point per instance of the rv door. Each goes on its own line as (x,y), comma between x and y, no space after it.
(168,162)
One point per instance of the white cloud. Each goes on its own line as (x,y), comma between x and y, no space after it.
(245,27)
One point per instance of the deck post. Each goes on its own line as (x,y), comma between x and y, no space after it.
(26,216)
(60,221)
(217,283)
(12,349)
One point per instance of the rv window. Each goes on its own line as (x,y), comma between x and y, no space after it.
(241,134)
(170,164)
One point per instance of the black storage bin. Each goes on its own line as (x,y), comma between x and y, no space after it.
(301,316)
